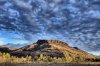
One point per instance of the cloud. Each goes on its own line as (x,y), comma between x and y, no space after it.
(73,21)
(22,4)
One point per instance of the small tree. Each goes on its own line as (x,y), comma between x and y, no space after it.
(29,58)
(43,58)
(79,58)
(68,58)
(6,57)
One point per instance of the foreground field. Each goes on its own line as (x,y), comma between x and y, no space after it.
(48,64)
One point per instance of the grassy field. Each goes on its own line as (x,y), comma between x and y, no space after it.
(48,64)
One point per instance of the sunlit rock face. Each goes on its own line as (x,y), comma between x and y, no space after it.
(74,21)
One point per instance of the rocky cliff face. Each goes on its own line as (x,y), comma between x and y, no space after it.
(51,42)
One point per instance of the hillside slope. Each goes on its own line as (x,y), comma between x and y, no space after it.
(52,48)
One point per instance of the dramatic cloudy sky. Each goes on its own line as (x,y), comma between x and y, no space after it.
(76,22)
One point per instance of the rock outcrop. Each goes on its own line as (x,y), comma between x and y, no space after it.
(51,42)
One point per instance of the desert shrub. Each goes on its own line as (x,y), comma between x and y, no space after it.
(57,60)
(67,57)
(42,58)
(79,59)
(6,55)
(29,59)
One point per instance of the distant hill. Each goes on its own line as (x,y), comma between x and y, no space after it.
(14,45)
(7,49)
(52,48)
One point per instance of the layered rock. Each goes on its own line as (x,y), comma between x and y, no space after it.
(52,48)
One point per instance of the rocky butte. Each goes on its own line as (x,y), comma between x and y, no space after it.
(51,48)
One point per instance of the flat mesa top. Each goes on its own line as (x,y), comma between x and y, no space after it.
(51,42)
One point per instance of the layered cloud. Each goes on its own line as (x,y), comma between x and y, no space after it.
(73,21)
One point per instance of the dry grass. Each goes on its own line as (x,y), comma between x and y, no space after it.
(47,64)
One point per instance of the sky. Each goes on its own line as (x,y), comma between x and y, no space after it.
(76,22)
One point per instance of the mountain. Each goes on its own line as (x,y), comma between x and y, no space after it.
(6,49)
(14,45)
(52,48)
